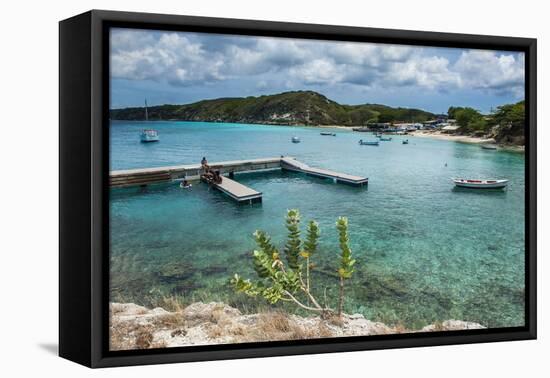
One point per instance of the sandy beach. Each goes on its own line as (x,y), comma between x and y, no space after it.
(349,128)
(465,139)
(441,136)
(454,138)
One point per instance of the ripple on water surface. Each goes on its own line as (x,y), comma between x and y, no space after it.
(425,251)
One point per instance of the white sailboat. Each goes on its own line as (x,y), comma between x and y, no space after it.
(148,135)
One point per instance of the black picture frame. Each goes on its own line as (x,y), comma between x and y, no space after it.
(83,180)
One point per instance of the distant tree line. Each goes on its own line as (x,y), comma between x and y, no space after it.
(471,120)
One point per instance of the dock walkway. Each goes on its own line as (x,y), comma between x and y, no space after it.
(143,176)
(296,166)
(237,191)
(230,187)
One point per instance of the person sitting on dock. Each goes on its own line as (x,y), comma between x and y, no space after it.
(208,176)
(217,177)
(204,164)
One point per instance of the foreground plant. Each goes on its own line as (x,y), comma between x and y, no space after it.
(346,261)
(280,281)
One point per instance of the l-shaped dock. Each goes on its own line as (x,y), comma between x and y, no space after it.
(239,192)
(291,164)
(230,187)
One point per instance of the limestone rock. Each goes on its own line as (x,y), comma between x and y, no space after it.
(136,327)
(452,325)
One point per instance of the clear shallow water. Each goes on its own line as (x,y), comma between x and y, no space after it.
(425,251)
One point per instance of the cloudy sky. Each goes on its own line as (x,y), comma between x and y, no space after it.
(181,67)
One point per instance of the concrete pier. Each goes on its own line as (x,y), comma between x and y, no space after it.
(230,187)
(237,191)
(296,166)
(191,172)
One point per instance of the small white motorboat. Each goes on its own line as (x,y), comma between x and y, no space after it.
(489,146)
(295,139)
(149,135)
(480,184)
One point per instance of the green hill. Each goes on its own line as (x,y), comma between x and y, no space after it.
(288,108)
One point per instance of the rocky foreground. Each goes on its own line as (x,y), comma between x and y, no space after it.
(136,327)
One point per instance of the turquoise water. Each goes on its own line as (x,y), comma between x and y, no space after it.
(425,251)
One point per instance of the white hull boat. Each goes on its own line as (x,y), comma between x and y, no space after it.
(149,136)
(295,140)
(480,184)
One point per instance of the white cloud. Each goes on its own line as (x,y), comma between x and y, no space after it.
(427,72)
(185,59)
(170,57)
(318,71)
(488,70)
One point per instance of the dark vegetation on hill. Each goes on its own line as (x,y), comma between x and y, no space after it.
(506,125)
(289,108)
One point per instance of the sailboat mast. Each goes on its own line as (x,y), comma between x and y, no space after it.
(146,111)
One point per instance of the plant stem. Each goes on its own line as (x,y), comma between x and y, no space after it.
(307,273)
(341,299)
(308,294)
(319,309)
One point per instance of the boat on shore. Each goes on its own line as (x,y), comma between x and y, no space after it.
(361,129)
(326,133)
(489,146)
(295,139)
(149,135)
(480,183)
(368,143)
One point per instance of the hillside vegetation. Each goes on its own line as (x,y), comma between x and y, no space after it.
(289,108)
(506,125)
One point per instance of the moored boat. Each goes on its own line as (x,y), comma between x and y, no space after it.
(382,139)
(149,135)
(489,146)
(368,143)
(295,139)
(480,184)
(406,141)
(327,133)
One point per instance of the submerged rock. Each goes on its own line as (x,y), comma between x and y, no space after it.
(175,272)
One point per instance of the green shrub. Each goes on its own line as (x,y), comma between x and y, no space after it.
(280,281)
